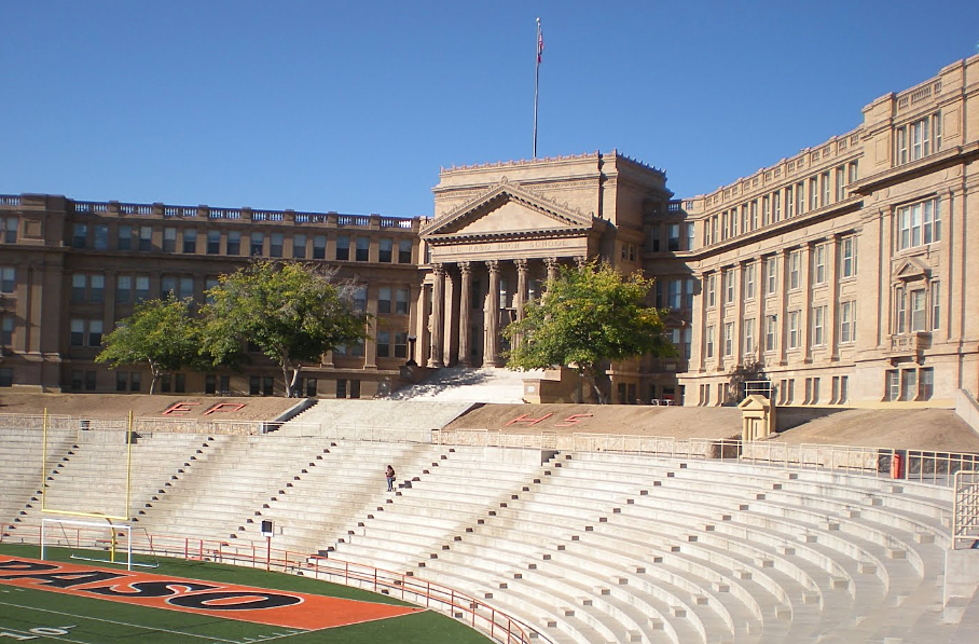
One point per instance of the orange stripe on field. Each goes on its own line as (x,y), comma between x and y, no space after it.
(215,599)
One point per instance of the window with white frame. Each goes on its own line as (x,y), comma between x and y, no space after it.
(852,172)
(918,139)
(848,256)
(795,261)
(813,193)
(917,304)
(709,342)
(840,183)
(793,329)
(919,224)
(800,198)
(900,311)
(766,210)
(824,188)
(748,335)
(936,306)
(771,331)
(776,207)
(754,214)
(6,330)
(771,275)
(711,291)
(819,325)
(728,288)
(789,203)
(674,295)
(749,281)
(688,292)
(819,264)
(848,322)
(729,338)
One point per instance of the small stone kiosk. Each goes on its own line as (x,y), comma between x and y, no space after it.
(757,417)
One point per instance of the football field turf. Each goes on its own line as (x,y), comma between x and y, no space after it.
(328,613)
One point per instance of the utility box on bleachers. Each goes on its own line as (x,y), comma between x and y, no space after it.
(757,417)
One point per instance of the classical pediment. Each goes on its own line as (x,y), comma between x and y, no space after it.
(910,270)
(507,211)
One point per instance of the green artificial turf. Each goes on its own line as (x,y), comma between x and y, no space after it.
(94,621)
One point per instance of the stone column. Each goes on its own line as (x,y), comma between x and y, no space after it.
(552,265)
(437,318)
(831,323)
(521,293)
(448,323)
(465,271)
(580,261)
(491,315)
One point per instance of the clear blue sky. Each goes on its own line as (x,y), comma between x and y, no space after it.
(354,106)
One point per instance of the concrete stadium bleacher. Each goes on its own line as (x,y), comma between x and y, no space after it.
(582,547)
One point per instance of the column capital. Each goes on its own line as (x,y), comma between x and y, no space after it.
(493,265)
(580,261)
(521,265)
(465,267)
(438,268)
(551,262)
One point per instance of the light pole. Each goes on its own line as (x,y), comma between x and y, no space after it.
(411,352)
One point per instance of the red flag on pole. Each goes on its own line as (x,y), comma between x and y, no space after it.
(540,44)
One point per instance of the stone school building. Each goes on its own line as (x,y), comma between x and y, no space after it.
(849,270)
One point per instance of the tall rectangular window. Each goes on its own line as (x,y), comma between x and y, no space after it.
(276,243)
(79,282)
(793,330)
(936,306)
(818,325)
(776,207)
(343,248)
(824,189)
(79,236)
(674,296)
(299,247)
(6,330)
(360,298)
(918,315)
(748,335)
(918,139)
(909,384)
(795,260)
(145,238)
(926,383)
(892,384)
(124,287)
(800,198)
(813,194)
(766,210)
(848,319)
(771,331)
(749,281)
(383,344)
(789,203)
(728,288)
(124,237)
(94,333)
(711,290)
(363,249)
(256,246)
(213,242)
(840,183)
(819,264)
(729,338)
(76,336)
(190,240)
(169,239)
(385,249)
(900,311)
(142,288)
(404,251)
(8,279)
(771,275)
(848,256)
(384,299)
(401,301)
(101,237)
(672,237)
(691,231)
(96,288)
(709,342)
(234,243)
(8,230)
(319,247)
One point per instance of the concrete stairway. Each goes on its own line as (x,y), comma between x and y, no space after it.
(375,419)
(461,384)
(21,451)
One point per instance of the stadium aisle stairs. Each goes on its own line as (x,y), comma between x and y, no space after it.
(21,451)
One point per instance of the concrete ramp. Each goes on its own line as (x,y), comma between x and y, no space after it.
(938,430)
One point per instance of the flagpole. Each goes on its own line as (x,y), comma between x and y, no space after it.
(536,84)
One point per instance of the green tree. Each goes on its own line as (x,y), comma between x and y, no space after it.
(294,313)
(160,333)
(587,317)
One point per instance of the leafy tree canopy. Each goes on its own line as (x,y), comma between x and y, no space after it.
(294,313)
(160,333)
(587,317)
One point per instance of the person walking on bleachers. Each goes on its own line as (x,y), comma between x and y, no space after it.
(389,474)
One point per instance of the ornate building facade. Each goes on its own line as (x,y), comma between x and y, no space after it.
(847,272)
